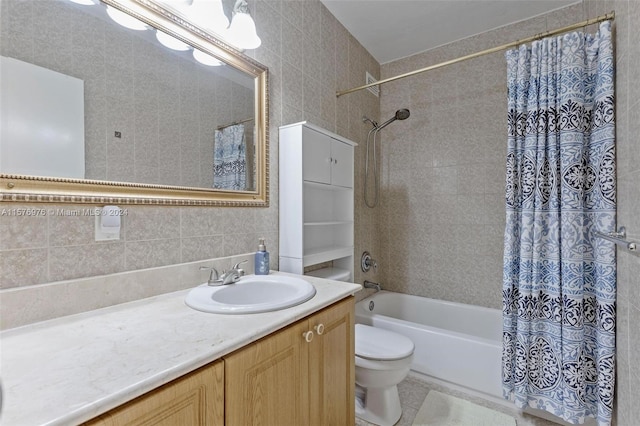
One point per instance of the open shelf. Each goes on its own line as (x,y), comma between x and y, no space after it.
(325,254)
(325,186)
(329,223)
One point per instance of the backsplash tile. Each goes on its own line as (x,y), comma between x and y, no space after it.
(19,229)
(22,306)
(26,267)
(200,248)
(151,223)
(71,226)
(69,262)
(152,253)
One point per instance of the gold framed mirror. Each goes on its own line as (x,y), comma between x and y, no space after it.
(159,127)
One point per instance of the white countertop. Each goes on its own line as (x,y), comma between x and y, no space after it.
(71,369)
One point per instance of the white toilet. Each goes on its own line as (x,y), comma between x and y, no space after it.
(383,359)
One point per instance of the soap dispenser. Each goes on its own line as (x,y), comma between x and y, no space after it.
(262,259)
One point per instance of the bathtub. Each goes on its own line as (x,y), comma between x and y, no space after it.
(455,343)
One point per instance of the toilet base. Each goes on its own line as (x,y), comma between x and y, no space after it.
(380,406)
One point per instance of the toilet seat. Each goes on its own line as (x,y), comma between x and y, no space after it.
(381,345)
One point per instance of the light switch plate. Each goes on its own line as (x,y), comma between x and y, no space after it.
(105,236)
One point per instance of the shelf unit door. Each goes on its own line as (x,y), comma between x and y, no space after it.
(342,167)
(316,156)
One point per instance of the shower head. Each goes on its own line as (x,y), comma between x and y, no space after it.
(401,114)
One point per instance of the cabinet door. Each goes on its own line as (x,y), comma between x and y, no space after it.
(316,156)
(342,164)
(195,399)
(331,366)
(267,382)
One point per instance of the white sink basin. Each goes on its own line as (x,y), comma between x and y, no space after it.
(252,294)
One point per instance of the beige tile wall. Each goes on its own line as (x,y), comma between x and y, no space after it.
(310,56)
(442,213)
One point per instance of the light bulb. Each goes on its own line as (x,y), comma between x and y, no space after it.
(178,3)
(242,32)
(205,59)
(171,42)
(208,14)
(84,2)
(125,20)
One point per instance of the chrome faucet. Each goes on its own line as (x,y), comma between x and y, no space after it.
(231,276)
(371,284)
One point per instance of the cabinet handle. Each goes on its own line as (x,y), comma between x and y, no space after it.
(308,336)
(319,328)
(335,161)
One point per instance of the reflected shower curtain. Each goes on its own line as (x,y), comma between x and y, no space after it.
(229,159)
(559,287)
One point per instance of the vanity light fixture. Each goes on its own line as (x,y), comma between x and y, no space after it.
(208,14)
(125,20)
(171,42)
(206,59)
(242,31)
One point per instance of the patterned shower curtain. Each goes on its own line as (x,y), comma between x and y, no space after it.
(229,158)
(559,287)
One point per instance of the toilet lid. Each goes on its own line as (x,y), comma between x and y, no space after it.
(379,344)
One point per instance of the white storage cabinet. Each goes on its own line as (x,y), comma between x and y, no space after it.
(316,198)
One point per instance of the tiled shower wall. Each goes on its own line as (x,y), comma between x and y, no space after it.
(442,213)
(310,56)
(627,23)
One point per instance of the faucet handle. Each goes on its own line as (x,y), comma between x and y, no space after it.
(213,276)
(237,268)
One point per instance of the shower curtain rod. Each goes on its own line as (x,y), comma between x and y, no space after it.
(234,123)
(601,18)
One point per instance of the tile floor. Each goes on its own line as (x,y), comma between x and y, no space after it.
(413,391)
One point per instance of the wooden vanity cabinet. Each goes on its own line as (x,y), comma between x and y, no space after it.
(289,378)
(194,399)
(332,366)
(301,375)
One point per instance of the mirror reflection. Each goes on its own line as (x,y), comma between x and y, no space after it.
(85,97)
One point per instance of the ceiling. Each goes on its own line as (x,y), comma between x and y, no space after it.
(394,29)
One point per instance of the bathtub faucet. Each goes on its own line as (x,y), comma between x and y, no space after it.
(371,284)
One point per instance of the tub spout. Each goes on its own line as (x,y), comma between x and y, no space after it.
(371,284)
